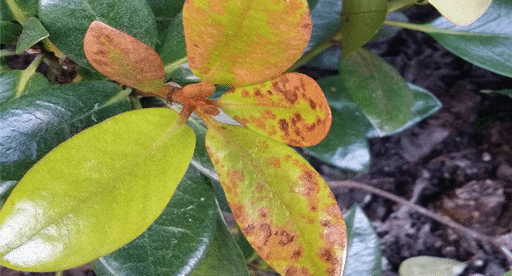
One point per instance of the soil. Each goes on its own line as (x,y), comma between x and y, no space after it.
(457,163)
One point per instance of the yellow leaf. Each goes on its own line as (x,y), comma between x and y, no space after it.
(291,109)
(242,42)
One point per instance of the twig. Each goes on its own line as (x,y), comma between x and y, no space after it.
(499,242)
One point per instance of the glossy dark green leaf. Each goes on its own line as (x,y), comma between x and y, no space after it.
(174,52)
(6,188)
(5,12)
(35,123)
(485,43)
(28,7)
(181,240)
(427,266)
(165,11)
(345,146)
(326,20)
(312,3)
(95,192)
(378,89)
(506,92)
(8,32)
(360,20)
(16,83)
(32,33)
(183,75)
(68,20)
(364,252)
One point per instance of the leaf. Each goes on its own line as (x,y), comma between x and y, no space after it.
(16,83)
(506,92)
(35,123)
(238,43)
(326,21)
(461,12)
(90,196)
(424,105)
(345,146)
(428,266)
(509,273)
(6,187)
(29,7)
(5,12)
(364,253)
(68,20)
(360,20)
(124,58)
(179,241)
(183,76)
(32,33)
(485,43)
(8,32)
(165,12)
(291,109)
(174,48)
(281,204)
(378,89)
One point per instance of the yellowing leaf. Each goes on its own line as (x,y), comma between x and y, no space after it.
(124,58)
(95,192)
(242,42)
(281,204)
(461,12)
(291,109)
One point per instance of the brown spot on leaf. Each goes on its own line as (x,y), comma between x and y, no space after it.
(334,211)
(269,114)
(245,93)
(310,187)
(257,93)
(262,145)
(263,212)
(312,104)
(297,253)
(331,271)
(285,237)
(249,229)
(238,211)
(269,93)
(281,86)
(266,230)
(295,271)
(235,177)
(328,256)
(283,126)
(275,162)
(335,234)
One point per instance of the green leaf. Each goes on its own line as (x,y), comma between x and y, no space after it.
(345,146)
(326,20)
(238,43)
(180,240)
(506,92)
(485,43)
(281,204)
(291,109)
(35,123)
(90,196)
(360,20)
(183,75)
(32,33)
(378,89)
(15,83)
(5,12)
(428,266)
(424,105)
(174,51)
(29,7)
(364,253)
(68,20)
(8,32)
(165,11)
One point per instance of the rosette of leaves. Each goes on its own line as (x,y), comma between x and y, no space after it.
(120,174)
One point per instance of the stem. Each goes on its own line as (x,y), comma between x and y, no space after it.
(441,219)
(320,47)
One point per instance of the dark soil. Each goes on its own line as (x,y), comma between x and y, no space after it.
(457,163)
